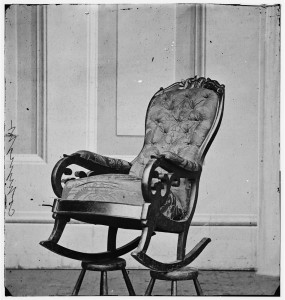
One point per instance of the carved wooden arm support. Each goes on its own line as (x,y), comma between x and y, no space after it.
(97,164)
(156,185)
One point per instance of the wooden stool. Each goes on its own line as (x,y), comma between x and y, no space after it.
(174,276)
(103,266)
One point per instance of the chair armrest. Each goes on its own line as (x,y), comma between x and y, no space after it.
(180,161)
(94,160)
(96,163)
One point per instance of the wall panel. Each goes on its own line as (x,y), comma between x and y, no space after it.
(25,102)
(108,140)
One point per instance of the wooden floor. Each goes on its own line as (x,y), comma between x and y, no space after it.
(61,283)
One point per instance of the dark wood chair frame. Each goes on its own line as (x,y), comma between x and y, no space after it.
(147,218)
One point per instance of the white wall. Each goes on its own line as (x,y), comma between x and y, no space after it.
(99,65)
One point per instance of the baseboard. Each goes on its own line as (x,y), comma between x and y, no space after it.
(231,247)
(33,217)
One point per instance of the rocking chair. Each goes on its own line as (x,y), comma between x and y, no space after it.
(157,191)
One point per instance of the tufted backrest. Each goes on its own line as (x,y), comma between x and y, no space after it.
(180,119)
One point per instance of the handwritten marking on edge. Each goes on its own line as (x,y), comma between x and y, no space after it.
(9,197)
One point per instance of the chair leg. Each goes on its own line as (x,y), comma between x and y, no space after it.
(173,288)
(128,283)
(149,287)
(103,284)
(78,283)
(198,287)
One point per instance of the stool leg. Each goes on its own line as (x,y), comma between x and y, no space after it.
(198,287)
(128,283)
(173,288)
(103,284)
(78,283)
(149,287)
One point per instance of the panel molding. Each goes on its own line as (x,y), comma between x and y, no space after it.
(20,159)
(200,40)
(11,69)
(42,82)
(16,71)
(185,35)
(190,41)
(250,220)
(268,249)
(92,77)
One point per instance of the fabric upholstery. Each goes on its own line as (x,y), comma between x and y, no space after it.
(176,125)
(115,188)
(108,162)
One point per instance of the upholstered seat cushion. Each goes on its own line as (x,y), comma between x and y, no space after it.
(116,188)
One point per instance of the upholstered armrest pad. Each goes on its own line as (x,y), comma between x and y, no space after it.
(119,165)
(180,161)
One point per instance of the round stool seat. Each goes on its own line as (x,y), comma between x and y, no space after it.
(105,265)
(181,274)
